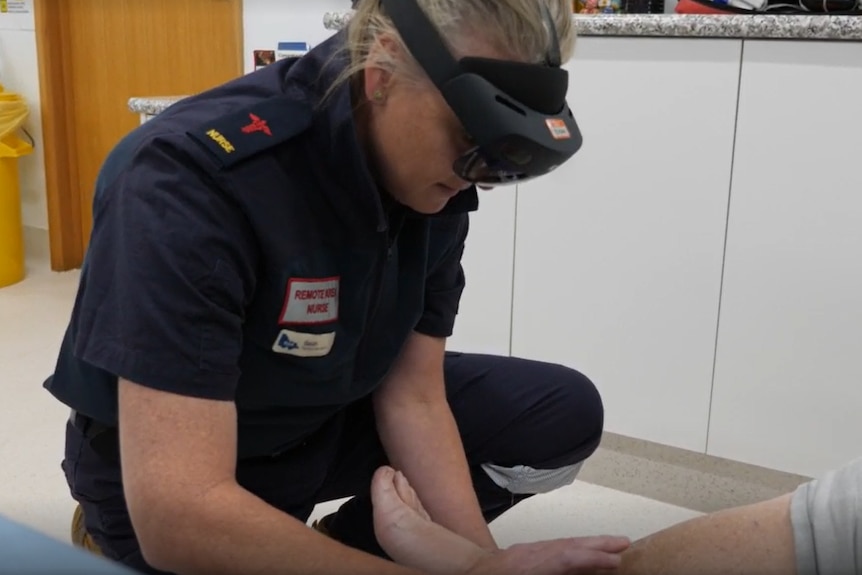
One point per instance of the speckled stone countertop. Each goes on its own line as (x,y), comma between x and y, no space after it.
(152,106)
(843,28)
(744,26)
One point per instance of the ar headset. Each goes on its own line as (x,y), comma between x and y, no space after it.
(515,112)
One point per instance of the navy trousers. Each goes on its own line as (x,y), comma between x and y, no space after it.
(510,412)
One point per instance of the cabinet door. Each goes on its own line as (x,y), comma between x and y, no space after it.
(619,253)
(788,381)
(484,320)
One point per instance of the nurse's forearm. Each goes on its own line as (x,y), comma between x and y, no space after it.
(231,531)
(422,441)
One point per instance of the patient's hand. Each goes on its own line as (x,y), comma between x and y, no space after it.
(408,535)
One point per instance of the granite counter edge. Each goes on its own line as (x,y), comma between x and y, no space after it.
(788,27)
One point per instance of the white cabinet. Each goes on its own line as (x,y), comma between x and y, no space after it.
(619,253)
(484,321)
(788,381)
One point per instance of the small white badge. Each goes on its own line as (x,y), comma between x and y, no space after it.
(310,301)
(558,128)
(303,344)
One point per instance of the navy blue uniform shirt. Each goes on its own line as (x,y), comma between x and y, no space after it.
(242,251)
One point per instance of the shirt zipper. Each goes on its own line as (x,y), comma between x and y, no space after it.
(383,266)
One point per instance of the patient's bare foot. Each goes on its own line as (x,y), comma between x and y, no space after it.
(407,534)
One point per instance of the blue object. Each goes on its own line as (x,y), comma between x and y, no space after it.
(24,551)
(299,46)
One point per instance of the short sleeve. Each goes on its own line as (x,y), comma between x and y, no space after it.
(167,276)
(445,282)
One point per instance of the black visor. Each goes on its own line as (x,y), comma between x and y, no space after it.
(515,112)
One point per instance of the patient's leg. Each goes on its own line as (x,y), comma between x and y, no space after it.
(817,530)
(751,540)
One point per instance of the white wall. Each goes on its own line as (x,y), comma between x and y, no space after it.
(19,73)
(268,22)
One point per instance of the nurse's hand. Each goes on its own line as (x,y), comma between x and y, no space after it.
(556,557)
(406,532)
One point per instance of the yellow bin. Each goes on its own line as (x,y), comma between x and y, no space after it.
(11,227)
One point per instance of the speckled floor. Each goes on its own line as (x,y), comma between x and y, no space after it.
(33,315)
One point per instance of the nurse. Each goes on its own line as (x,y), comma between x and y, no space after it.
(273,271)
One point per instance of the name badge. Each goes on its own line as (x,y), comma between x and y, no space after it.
(310,301)
(303,344)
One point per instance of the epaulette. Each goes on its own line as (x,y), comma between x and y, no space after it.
(240,135)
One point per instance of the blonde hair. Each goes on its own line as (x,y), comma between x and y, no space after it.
(514,28)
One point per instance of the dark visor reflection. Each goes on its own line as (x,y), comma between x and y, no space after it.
(474,168)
